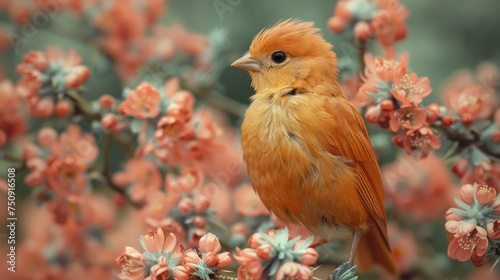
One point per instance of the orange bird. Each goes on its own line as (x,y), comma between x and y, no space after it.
(306,146)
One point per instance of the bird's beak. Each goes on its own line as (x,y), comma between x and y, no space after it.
(247,63)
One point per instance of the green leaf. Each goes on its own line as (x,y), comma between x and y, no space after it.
(345,272)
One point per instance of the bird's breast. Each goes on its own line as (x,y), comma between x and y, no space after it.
(292,172)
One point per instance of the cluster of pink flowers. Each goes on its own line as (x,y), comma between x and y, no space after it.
(409,181)
(275,256)
(59,165)
(472,100)
(382,19)
(12,120)
(475,225)
(163,258)
(393,99)
(171,132)
(132,35)
(48,81)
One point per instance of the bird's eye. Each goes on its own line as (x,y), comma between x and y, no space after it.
(278,56)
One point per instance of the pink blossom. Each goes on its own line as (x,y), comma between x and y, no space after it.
(143,176)
(132,264)
(388,25)
(79,75)
(409,181)
(158,205)
(404,247)
(309,257)
(160,270)
(38,171)
(182,106)
(168,225)
(12,121)
(142,102)
(248,203)
(109,121)
(156,242)
(201,202)
(410,89)
(181,273)
(35,71)
(191,257)
(380,70)
(493,229)
(66,175)
(107,101)
(73,141)
(264,251)
(485,194)
(467,240)
(408,117)
(471,95)
(422,139)
(170,128)
(47,136)
(250,264)
(225,259)
(467,193)
(63,108)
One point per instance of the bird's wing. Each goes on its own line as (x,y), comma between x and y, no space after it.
(349,138)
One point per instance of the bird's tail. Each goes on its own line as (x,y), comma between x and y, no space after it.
(373,249)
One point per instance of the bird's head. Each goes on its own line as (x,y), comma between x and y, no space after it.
(290,54)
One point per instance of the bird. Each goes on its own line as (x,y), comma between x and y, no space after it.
(306,146)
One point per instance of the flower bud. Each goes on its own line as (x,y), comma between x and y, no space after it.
(467,119)
(362,30)
(460,167)
(254,240)
(209,243)
(185,205)
(336,25)
(264,251)
(467,193)
(199,222)
(387,105)
(201,203)
(309,257)
(433,112)
(191,257)
(225,259)
(211,259)
(493,229)
(109,121)
(448,120)
(373,114)
(180,273)
(107,101)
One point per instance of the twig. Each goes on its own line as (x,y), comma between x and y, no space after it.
(106,171)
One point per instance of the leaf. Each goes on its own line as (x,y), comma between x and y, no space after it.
(462,204)
(141,241)
(345,272)
(306,243)
(460,212)
(135,125)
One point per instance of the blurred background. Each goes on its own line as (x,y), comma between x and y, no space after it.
(443,37)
